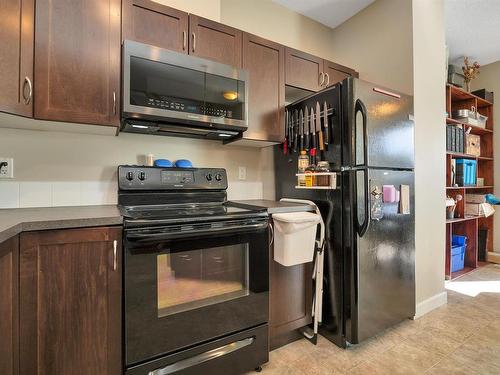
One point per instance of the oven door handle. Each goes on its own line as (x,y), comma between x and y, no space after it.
(157,235)
(203,357)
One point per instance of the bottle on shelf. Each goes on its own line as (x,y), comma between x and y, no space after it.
(303,164)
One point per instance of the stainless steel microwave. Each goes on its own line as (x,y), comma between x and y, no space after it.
(170,93)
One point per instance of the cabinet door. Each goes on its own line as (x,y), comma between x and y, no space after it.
(335,73)
(148,22)
(16,56)
(77,65)
(9,323)
(290,301)
(303,70)
(214,41)
(70,305)
(264,61)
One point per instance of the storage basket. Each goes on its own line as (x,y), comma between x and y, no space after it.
(458,249)
(294,237)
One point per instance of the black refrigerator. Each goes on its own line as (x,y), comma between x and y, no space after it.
(369,276)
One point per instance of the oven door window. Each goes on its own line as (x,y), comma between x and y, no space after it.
(192,279)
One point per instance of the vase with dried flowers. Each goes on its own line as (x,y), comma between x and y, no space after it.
(470,72)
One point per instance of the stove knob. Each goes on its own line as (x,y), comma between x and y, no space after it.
(218,177)
(208,176)
(130,176)
(142,176)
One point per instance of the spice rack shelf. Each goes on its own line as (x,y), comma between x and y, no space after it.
(332,180)
(467,225)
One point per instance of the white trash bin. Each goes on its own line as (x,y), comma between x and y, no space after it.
(294,237)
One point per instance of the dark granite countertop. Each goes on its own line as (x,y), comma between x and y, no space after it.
(15,221)
(272,207)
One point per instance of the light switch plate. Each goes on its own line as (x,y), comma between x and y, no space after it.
(6,167)
(242,173)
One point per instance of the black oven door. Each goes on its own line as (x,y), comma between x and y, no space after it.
(188,284)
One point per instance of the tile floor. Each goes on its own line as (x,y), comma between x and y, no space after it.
(462,337)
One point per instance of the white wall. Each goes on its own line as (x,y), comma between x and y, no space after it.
(429,61)
(489,79)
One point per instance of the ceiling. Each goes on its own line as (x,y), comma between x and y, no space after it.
(328,12)
(473,29)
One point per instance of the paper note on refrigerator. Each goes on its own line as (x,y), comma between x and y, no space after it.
(404,201)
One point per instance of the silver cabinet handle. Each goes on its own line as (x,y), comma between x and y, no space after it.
(184,40)
(115,255)
(27,81)
(321,78)
(194,41)
(327,79)
(114,102)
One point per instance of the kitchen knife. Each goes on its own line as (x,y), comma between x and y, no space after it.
(326,125)
(312,129)
(290,133)
(301,130)
(318,127)
(306,130)
(295,130)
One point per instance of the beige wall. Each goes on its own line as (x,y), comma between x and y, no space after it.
(377,43)
(430,150)
(279,24)
(489,79)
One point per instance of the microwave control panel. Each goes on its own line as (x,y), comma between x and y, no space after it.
(131,177)
(232,110)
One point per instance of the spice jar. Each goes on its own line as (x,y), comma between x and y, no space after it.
(303,163)
(323,167)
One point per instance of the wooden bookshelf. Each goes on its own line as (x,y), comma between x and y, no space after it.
(466,225)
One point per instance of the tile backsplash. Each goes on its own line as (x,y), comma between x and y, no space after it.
(24,194)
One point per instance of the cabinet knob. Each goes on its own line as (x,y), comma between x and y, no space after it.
(184,40)
(194,41)
(321,78)
(114,102)
(27,99)
(327,80)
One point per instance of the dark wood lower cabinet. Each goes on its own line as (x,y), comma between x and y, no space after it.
(290,301)
(70,302)
(9,293)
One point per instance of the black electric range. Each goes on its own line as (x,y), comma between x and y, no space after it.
(196,274)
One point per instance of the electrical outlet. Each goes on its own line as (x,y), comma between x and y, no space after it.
(242,173)
(6,167)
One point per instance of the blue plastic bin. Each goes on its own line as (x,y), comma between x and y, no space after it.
(458,248)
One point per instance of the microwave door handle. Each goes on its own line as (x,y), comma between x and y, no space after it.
(203,357)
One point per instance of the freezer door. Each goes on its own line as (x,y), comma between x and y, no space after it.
(378,126)
(383,261)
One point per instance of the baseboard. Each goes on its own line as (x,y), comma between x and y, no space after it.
(430,304)
(493,257)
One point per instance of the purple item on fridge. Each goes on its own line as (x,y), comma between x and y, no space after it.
(389,193)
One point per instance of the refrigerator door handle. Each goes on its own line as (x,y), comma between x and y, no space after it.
(362,227)
(360,134)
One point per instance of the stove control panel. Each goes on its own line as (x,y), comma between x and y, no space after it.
(131,177)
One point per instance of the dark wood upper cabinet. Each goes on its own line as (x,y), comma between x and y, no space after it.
(215,41)
(16,60)
(335,73)
(77,64)
(148,22)
(303,70)
(264,61)
(9,298)
(70,302)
